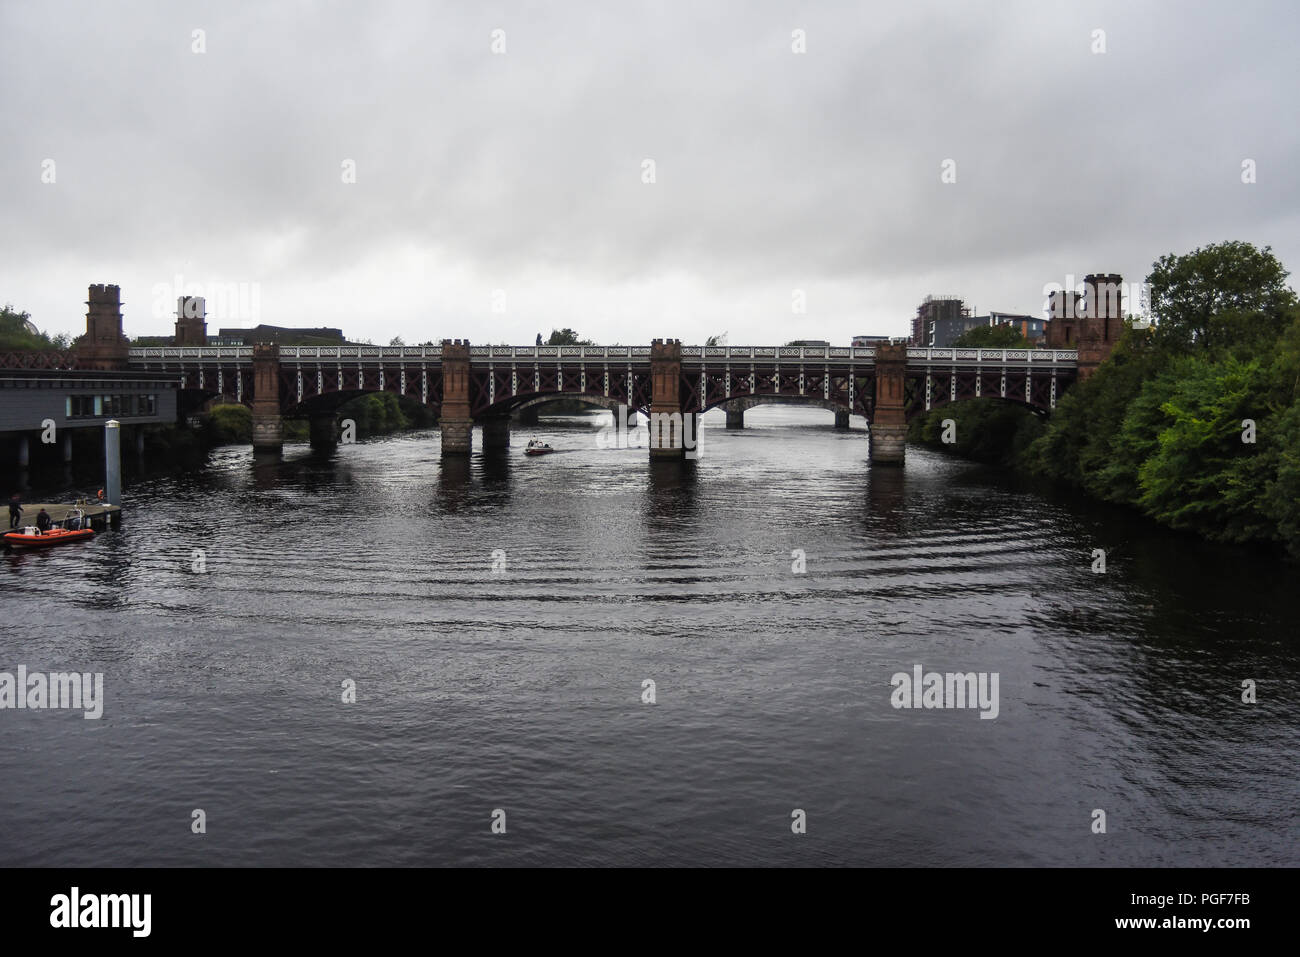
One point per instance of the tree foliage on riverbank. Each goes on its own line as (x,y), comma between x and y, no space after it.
(377,413)
(987,430)
(1195,421)
(16,333)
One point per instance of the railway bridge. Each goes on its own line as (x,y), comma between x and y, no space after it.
(666,380)
(468,384)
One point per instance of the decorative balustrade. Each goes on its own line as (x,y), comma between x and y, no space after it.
(1000,356)
(706,355)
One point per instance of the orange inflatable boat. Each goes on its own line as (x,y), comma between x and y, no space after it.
(33,537)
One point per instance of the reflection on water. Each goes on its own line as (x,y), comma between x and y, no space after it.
(518,683)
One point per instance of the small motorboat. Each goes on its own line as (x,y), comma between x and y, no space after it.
(33,537)
(535,447)
(74,528)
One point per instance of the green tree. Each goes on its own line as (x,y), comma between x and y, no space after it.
(1201,475)
(986,429)
(992,337)
(229,424)
(16,332)
(1166,423)
(1218,296)
(375,413)
(567,337)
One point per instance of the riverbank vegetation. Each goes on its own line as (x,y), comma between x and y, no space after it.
(1194,421)
(18,334)
(377,413)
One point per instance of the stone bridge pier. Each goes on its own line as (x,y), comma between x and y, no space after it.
(888,435)
(666,419)
(454,420)
(268,428)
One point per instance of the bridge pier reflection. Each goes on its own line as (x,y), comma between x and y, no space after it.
(496,432)
(324,431)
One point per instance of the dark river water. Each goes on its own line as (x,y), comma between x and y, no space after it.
(521,689)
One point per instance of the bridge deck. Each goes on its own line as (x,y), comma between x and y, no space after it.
(691,355)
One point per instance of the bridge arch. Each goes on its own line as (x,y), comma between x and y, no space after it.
(511,405)
(945,401)
(746,402)
(598,401)
(1038,391)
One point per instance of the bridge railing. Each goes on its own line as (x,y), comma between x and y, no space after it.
(361,352)
(191,352)
(559,352)
(626,353)
(999,356)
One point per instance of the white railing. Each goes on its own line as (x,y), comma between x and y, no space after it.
(625,353)
(191,352)
(1000,356)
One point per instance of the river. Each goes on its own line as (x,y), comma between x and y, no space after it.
(520,689)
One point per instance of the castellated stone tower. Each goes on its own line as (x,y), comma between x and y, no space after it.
(103,346)
(1091,324)
(191,321)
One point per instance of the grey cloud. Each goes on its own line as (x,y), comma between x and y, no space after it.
(775,171)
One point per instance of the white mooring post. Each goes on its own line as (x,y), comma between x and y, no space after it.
(113,462)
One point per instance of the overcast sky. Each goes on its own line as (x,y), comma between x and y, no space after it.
(501,194)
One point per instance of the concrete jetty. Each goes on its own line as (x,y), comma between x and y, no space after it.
(98,515)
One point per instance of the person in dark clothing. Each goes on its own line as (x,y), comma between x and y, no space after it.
(15,510)
(43,521)
(539,338)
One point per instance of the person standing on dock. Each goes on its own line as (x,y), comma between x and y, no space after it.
(15,509)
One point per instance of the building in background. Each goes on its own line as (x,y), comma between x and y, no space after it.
(939,316)
(284,335)
(1033,328)
(941,320)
